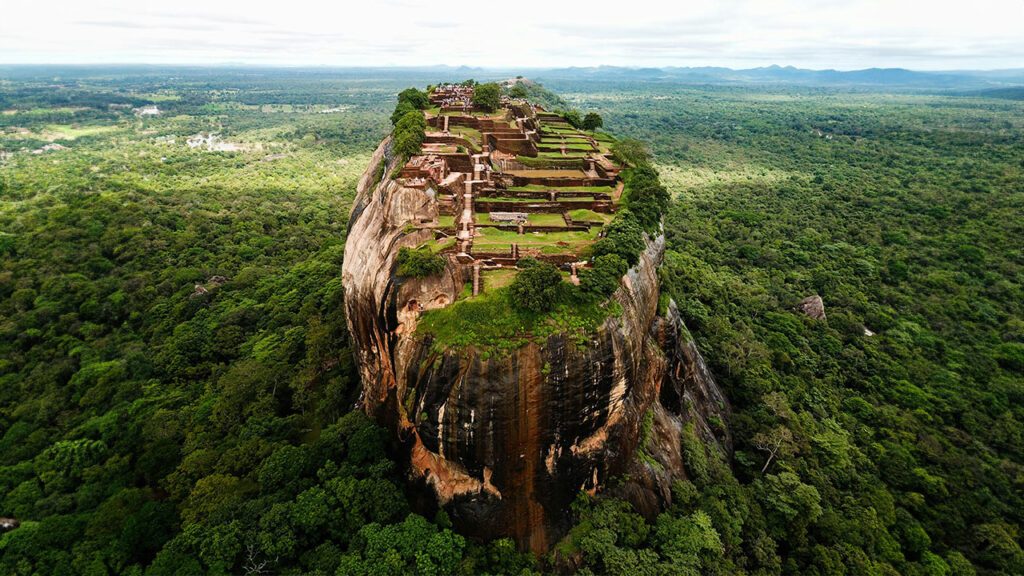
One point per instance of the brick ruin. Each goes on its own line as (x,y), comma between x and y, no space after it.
(507,182)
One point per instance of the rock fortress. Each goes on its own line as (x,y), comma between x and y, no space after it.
(503,417)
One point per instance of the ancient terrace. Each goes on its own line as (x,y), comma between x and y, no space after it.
(512,183)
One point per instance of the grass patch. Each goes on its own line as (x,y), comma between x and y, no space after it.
(585,215)
(559,155)
(574,242)
(493,247)
(493,323)
(495,279)
(488,236)
(553,173)
(546,219)
(541,188)
(551,162)
(492,236)
(446,220)
(471,134)
(440,244)
(550,129)
(506,199)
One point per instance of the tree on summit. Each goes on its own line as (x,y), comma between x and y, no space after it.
(409,100)
(537,287)
(410,132)
(632,152)
(487,96)
(573,118)
(592,121)
(415,97)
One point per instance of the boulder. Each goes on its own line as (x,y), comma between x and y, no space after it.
(813,307)
(8,524)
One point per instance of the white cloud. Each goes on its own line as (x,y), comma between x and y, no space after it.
(849,34)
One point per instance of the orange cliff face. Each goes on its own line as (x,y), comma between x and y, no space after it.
(505,442)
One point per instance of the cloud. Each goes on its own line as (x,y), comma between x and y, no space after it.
(113,24)
(537,33)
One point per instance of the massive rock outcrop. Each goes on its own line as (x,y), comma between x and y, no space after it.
(505,442)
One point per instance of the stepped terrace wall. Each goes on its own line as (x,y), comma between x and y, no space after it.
(439,138)
(458,162)
(486,206)
(572,178)
(506,259)
(518,144)
(550,195)
(528,228)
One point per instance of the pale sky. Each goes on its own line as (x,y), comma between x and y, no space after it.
(841,34)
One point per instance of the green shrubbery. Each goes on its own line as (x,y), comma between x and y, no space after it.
(592,121)
(410,124)
(401,110)
(487,96)
(538,287)
(415,97)
(630,152)
(409,100)
(622,237)
(646,196)
(600,281)
(409,134)
(573,118)
(419,262)
(494,322)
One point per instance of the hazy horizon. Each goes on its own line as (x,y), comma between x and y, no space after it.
(737,34)
(520,69)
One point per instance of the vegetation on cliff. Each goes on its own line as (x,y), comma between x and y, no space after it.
(420,262)
(409,134)
(409,100)
(495,322)
(537,286)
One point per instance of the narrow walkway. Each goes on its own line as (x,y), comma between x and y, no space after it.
(618,191)
(466,220)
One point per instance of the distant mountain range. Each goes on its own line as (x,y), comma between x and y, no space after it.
(959,80)
(1003,83)
(949,80)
